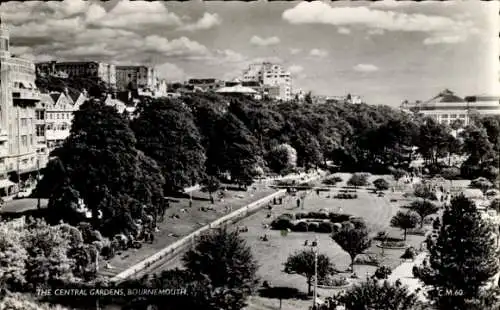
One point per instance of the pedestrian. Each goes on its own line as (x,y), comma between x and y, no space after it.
(298,202)
(317,191)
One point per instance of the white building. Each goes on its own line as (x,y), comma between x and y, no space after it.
(137,77)
(271,75)
(18,97)
(447,107)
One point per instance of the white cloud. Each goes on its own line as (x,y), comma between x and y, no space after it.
(295,69)
(344,30)
(322,13)
(256,40)
(295,51)
(315,52)
(392,4)
(171,72)
(365,68)
(376,32)
(208,21)
(444,40)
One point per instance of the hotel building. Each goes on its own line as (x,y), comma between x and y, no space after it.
(271,75)
(18,97)
(89,69)
(447,107)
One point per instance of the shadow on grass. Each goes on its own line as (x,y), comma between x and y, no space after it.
(282,292)
(185,196)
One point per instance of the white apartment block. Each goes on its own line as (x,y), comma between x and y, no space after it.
(446,107)
(18,97)
(139,77)
(271,75)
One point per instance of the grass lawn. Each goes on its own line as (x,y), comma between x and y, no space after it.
(377,212)
(187,223)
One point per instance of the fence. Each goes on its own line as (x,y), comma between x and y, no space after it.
(182,244)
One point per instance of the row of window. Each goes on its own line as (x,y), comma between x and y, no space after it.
(24,140)
(59,115)
(453,116)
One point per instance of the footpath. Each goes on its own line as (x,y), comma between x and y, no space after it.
(186,242)
(404,273)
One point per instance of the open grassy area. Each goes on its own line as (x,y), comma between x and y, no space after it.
(376,211)
(171,229)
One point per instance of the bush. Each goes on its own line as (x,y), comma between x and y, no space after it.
(317,215)
(286,216)
(346,196)
(416,271)
(312,226)
(393,244)
(301,227)
(329,182)
(410,253)
(333,281)
(381,235)
(358,179)
(381,184)
(417,231)
(382,272)
(281,224)
(436,224)
(338,218)
(325,227)
(300,215)
(367,259)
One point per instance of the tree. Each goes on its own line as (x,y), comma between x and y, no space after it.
(462,259)
(423,191)
(433,140)
(423,208)
(303,263)
(16,301)
(373,295)
(282,158)
(353,240)
(405,221)
(212,184)
(224,259)
(166,132)
(358,179)
(308,98)
(12,258)
(381,184)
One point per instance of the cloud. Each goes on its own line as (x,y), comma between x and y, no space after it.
(208,21)
(320,53)
(376,32)
(322,13)
(256,40)
(392,4)
(295,51)
(295,69)
(171,72)
(344,30)
(365,68)
(444,40)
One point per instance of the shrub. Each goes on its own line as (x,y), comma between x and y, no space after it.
(417,231)
(301,227)
(436,224)
(382,272)
(346,196)
(338,218)
(317,215)
(287,216)
(330,182)
(393,244)
(333,281)
(312,226)
(358,179)
(381,235)
(281,224)
(381,184)
(300,215)
(367,259)
(325,227)
(416,271)
(410,253)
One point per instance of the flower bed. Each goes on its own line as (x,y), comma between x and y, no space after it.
(346,196)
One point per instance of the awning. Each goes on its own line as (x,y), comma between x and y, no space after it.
(6,183)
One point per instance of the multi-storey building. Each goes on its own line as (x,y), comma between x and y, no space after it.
(274,75)
(136,77)
(18,95)
(88,69)
(206,85)
(447,107)
(54,115)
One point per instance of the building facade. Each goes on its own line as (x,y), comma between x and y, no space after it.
(447,107)
(88,69)
(271,75)
(19,95)
(138,77)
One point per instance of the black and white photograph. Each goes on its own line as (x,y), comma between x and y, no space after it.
(249,155)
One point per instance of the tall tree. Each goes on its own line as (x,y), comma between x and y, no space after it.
(303,263)
(462,259)
(353,240)
(433,140)
(423,208)
(166,131)
(372,294)
(226,261)
(405,221)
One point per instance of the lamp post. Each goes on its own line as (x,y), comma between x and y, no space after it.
(315,248)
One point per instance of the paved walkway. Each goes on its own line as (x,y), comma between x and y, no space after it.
(405,274)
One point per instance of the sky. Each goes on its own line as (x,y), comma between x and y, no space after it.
(384,51)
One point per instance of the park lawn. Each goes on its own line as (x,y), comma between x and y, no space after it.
(187,223)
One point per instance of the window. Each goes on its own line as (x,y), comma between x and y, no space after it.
(24,140)
(462,115)
(31,140)
(40,114)
(24,122)
(57,116)
(444,116)
(453,116)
